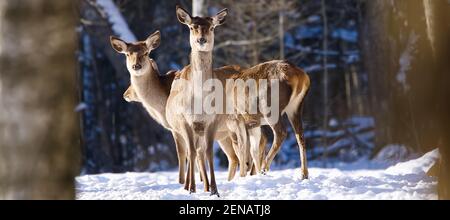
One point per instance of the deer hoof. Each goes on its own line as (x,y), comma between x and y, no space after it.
(215,194)
(304,176)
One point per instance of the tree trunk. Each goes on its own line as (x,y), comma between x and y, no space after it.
(325,77)
(39,146)
(281,32)
(438,32)
(397,60)
(407,62)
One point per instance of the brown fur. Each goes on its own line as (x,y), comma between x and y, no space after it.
(152,90)
(199,143)
(294,86)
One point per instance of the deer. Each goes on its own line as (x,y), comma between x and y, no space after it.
(199,129)
(235,140)
(152,90)
(294,85)
(293,88)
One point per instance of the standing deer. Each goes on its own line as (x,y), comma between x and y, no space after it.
(294,85)
(197,128)
(152,90)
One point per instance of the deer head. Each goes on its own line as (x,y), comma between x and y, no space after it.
(201,28)
(138,62)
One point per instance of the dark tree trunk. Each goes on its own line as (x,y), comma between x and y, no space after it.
(407,60)
(438,30)
(397,56)
(39,146)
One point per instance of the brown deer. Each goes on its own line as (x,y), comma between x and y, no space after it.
(235,127)
(294,85)
(152,90)
(199,129)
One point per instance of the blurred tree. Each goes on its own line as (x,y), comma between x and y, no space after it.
(406,53)
(39,133)
(437,14)
(398,55)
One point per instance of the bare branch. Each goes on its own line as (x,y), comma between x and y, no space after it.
(244,42)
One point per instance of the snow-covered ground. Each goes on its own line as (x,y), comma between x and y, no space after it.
(407,180)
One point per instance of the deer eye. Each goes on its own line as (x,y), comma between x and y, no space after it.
(195,26)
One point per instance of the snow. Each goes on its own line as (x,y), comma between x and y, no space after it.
(81,106)
(306,32)
(407,180)
(421,165)
(394,153)
(119,25)
(346,35)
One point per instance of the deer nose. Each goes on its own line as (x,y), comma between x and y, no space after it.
(202,40)
(137,67)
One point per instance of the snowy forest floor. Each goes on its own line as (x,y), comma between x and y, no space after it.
(406,180)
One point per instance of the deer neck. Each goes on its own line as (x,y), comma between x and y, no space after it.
(152,93)
(201,65)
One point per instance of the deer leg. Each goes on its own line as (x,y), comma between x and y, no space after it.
(189,184)
(295,118)
(227,147)
(239,154)
(181,153)
(253,170)
(242,158)
(198,166)
(262,147)
(279,134)
(191,176)
(241,146)
(209,138)
(192,159)
(187,181)
(202,168)
(255,147)
(260,159)
(251,165)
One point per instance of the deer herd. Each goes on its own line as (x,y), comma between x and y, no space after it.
(200,105)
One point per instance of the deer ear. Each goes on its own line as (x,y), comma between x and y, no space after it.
(183,16)
(153,41)
(219,18)
(118,45)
